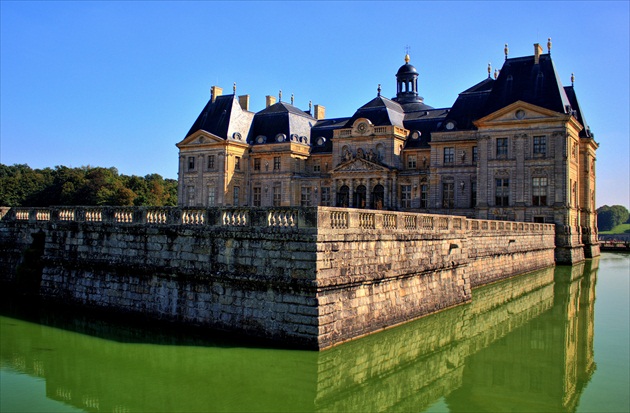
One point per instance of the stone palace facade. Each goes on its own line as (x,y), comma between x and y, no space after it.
(515,146)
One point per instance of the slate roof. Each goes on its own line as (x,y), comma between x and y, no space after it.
(425,122)
(325,128)
(215,116)
(521,79)
(280,118)
(575,105)
(470,105)
(381,112)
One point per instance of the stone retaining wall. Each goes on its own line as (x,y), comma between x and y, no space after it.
(313,277)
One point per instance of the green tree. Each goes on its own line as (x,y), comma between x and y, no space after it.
(609,217)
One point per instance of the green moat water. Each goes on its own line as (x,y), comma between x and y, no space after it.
(553,340)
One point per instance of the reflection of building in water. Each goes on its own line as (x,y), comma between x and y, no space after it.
(525,340)
(542,365)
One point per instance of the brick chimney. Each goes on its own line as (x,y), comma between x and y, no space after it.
(537,52)
(244,102)
(320,112)
(271,100)
(214,92)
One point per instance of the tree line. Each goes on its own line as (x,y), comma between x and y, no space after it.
(609,217)
(20,185)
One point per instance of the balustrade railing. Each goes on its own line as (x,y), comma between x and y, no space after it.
(193,217)
(235,218)
(333,218)
(389,221)
(339,219)
(366,221)
(157,216)
(282,218)
(124,216)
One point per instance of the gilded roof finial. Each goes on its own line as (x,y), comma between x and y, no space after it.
(506,50)
(572,79)
(549,45)
(496,73)
(280,96)
(407,58)
(489,69)
(378,90)
(234,88)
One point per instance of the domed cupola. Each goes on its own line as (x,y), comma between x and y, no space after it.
(407,83)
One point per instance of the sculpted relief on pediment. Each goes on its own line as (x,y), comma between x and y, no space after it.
(359,165)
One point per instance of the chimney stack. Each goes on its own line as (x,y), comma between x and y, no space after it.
(271,100)
(320,112)
(214,92)
(244,102)
(537,52)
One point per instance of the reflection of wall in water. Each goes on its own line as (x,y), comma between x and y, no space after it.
(542,365)
(406,368)
(410,367)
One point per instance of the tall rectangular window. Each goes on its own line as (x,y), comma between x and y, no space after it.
(277,195)
(257,196)
(502,147)
(473,194)
(502,192)
(475,154)
(449,155)
(325,196)
(191,163)
(448,195)
(317,166)
(237,163)
(210,161)
(190,196)
(276,163)
(257,164)
(411,162)
(424,194)
(211,196)
(237,193)
(540,145)
(405,196)
(539,191)
(306,196)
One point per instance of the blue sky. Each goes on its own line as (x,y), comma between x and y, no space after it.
(119,83)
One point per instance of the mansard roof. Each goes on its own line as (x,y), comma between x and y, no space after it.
(280,118)
(325,128)
(522,79)
(221,117)
(470,105)
(381,112)
(575,105)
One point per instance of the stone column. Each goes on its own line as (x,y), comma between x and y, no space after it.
(199,193)
(222,168)
(519,144)
(181,188)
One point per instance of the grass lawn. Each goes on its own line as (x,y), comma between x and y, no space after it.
(619,229)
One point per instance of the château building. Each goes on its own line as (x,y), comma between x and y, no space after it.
(515,146)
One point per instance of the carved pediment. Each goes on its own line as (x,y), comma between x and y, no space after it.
(359,165)
(200,137)
(519,112)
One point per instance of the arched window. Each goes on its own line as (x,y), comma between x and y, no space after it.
(360,197)
(378,197)
(343,197)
